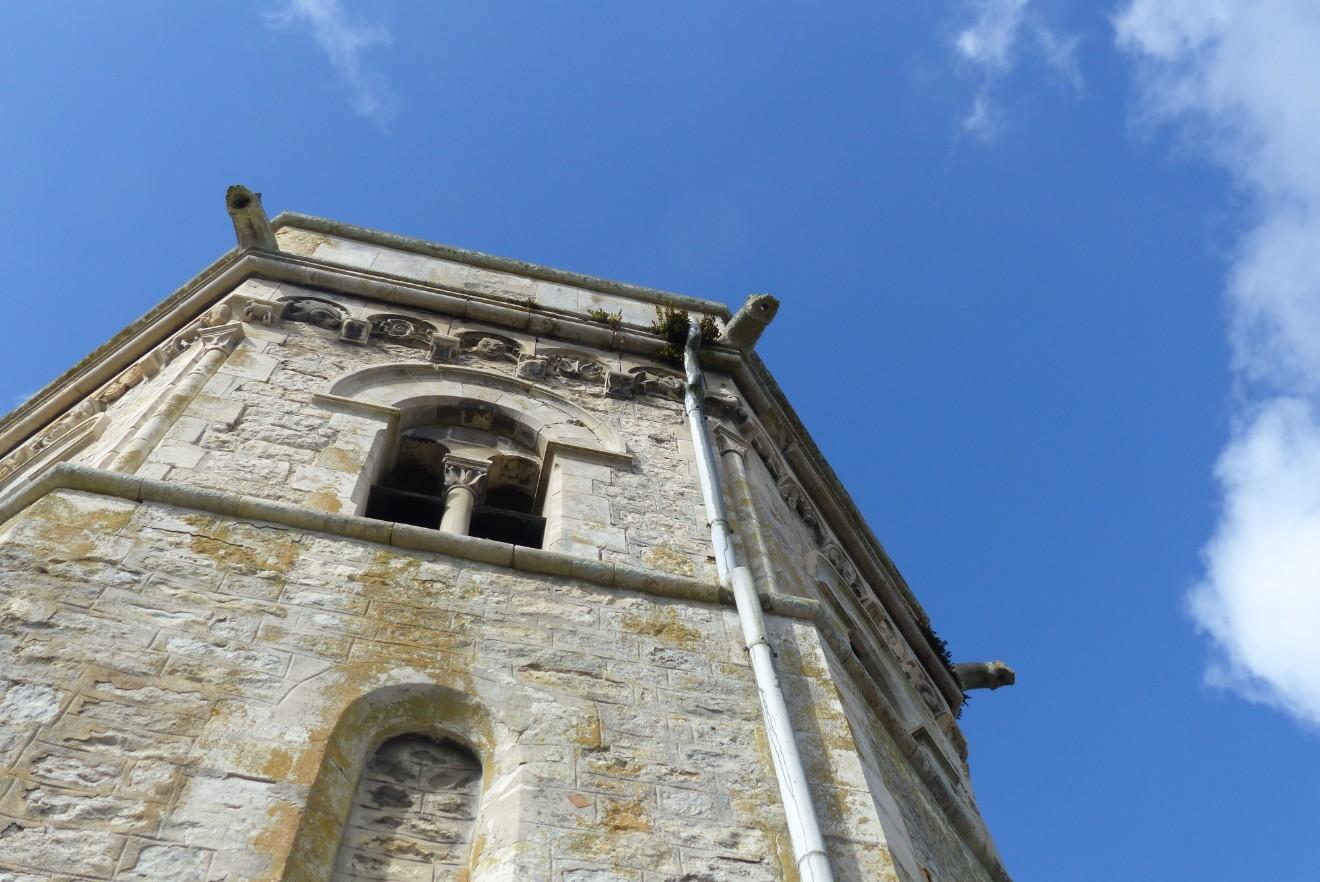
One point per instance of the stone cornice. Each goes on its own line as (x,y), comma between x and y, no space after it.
(500,264)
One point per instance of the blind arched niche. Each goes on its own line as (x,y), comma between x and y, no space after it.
(413,815)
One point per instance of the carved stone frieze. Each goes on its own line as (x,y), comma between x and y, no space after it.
(315,311)
(403,330)
(257,310)
(662,384)
(533,367)
(569,365)
(443,348)
(620,385)
(356,331)
(491,347)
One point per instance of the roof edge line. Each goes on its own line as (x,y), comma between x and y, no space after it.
(500,264)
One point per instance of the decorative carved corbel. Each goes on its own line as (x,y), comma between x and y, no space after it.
(403,330)
(355,331)
(314,311)
(257,310)
(443,348)
(662,384)
(533,367)
(620,385)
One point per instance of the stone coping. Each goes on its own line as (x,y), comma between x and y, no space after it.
(500,264)
(68,476)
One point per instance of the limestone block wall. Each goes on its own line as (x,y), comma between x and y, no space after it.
(191,697)
(257,428)
(188,696)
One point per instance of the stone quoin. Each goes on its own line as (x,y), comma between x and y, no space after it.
(366,558)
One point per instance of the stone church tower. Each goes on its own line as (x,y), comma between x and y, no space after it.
(365,558)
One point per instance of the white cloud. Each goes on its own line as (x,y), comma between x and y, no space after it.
(344,41)
(1236,79)
(999,36)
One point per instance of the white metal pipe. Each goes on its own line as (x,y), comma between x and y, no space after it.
(803,826)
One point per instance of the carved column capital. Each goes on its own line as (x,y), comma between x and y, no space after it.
(729,441)
(222,338)
(469,474)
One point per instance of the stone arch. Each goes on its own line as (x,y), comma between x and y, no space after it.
(365,706)
(419,391)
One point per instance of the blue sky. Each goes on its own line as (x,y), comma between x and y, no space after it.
(1050,275)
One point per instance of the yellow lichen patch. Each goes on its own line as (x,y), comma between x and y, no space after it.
(625,817)
(324,500)
(589,733)
(663,624)
(669,561)
(277,839)
(242,545)
(60,508)
(388,570)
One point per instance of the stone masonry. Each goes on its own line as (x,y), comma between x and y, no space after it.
(217,668)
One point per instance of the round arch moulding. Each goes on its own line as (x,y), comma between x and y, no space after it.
(412,394)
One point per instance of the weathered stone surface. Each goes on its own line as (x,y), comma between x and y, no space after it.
(191,694)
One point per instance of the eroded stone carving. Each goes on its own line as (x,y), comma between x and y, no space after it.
(491,347)
(620,385)
(354,331)
(251,225)
(533,367)
(662,384)
(569,365)
(314,311)
(443,348)
(403,330)
(984,675)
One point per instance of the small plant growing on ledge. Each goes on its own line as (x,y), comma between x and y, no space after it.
(613,319)
(941,647)
(671,324)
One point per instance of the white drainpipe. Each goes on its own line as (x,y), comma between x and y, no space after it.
(803,828)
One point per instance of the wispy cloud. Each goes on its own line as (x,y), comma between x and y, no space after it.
(1236,80)
(996,37)
(344,40)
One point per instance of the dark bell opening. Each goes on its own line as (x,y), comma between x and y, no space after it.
(405,507)
(510,499)
(502,525)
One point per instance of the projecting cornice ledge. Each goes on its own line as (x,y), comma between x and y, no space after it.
(499,264)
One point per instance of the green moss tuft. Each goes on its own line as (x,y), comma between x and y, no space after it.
(672,325)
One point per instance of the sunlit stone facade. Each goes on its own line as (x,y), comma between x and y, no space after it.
(362,558)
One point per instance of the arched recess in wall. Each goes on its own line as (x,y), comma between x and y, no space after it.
(413,815)
(406,749)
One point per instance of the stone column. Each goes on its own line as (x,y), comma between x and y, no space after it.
(465,482)
(747,524)
(216,343)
